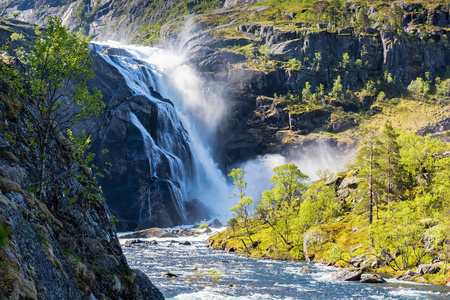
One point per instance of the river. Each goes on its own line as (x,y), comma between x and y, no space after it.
(203,273)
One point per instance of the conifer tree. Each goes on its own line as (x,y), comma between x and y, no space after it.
(389,161)
(369,168)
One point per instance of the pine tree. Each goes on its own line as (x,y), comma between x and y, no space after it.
(389,161)
(369,168)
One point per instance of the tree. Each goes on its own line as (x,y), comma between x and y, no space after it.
(367,162)
(307,95)
(337,87)
(345,61)
(320,7)
(419,87)
(390,161)
(320,204)
(396,17)
(288,188)
(442,90)
(242,209)
(363,18)
(57,67)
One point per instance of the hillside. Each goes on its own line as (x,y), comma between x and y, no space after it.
(387,213)
(57,236)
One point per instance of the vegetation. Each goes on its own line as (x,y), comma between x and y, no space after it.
(57,67)
(4,232)
(391,208)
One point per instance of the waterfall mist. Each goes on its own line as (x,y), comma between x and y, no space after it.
(318,157)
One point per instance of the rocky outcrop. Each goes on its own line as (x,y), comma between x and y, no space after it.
(62,245)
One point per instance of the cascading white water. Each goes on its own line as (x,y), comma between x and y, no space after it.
(194,118)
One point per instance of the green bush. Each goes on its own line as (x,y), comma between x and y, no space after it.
(4,232)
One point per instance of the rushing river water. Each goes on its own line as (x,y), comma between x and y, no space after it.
(203,273)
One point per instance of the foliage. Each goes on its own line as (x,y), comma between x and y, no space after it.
(337,87)
(419,87)
(242,209)
(4,232)
(405,175)
(57,67)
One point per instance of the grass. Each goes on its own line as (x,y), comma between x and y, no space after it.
(4,234)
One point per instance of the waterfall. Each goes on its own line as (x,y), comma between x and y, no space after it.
(179,151)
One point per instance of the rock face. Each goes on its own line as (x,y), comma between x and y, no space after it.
(261,122)
(63,245)
(148,149)
(101,19)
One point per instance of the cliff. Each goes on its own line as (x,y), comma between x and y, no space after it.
(62,245)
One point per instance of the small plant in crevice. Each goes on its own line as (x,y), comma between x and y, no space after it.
(4,233)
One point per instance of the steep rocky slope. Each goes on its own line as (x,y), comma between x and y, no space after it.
(63,245)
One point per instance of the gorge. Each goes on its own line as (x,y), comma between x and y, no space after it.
(234,84)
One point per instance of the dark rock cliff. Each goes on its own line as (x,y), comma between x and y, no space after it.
(372,53)
(62,246)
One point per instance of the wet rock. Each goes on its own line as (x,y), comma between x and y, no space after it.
(186,243)
(146,287)
(373,279)
(170,275)
(347,275)
(215,224)
(131,243)
(305,270)
(151,243)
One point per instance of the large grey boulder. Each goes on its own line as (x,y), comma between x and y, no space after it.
(347,275)
(428,269)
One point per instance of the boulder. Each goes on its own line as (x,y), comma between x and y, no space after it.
(146,233)
(428,269)
(336,180)
(131,243)
(350,182)
(305,270)
(215,224)
(186,243)
(170,275)
(373,279)
(168,235)
(347,275)
(358,261)
(151,242)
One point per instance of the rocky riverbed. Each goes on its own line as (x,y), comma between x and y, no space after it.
(182,267)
